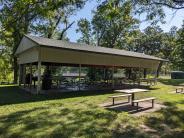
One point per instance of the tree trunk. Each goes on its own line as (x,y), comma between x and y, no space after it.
(129,73)
(15,68)
(165,71)
(145,73)
(159,68)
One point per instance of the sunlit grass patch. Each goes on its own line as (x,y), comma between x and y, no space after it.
(79,115)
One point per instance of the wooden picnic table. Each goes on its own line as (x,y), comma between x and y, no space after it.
(132,91)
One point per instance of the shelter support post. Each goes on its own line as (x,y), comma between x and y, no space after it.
(39,78)
(24,75)
(113,77)
(79,76)
(30,79)
(104,76)
(104,73)
(139,82)
(20,74)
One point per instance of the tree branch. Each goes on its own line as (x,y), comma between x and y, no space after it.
(65,29)
(168,5)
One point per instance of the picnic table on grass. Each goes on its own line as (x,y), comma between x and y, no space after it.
(132,92)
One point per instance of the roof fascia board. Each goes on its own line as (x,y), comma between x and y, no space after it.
(100,53)
(27,36)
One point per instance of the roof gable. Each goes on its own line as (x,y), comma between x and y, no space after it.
(25,44)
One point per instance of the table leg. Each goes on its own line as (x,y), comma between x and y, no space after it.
(132,99)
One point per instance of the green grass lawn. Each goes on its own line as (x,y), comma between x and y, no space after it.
(78,114)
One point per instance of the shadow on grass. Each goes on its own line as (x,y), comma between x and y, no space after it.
(168,122)
(151,88)
(128,108)
(55,120)
(59,121)
(165,123)
(15,95)
(173,82)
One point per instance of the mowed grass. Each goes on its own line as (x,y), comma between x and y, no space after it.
(78,114)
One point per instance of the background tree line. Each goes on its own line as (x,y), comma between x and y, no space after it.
(114,24)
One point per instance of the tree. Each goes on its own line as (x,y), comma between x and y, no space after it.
(148,41)
(19,16)
(153,10)
(5,66)
(169,43)
(84,27)
(56,23)
(112,22)
(173,4)
(178,53)
(152,40)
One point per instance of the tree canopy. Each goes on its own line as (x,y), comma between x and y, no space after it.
(114,24)
(19,17)
(178,53)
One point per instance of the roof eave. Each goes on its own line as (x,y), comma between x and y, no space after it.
(159,59)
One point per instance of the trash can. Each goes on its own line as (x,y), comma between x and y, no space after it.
(177,75)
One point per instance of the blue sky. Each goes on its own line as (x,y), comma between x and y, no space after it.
(86,12)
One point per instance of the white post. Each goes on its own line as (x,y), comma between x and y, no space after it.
(39,78)
(139,79)
(79,75)
(20,70)
(24,75)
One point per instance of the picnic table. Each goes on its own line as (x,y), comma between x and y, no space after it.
(151,81)
(132,92)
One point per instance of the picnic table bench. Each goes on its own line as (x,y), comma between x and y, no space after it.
(142,100)
(179,88)
(117,96)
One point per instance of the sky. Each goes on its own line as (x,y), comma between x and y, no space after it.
(172,19)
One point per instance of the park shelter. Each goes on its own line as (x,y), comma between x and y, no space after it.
(39,51)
